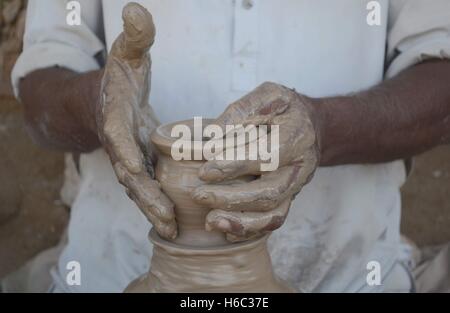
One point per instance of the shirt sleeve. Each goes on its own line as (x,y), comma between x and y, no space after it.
(50,41)
(418,30)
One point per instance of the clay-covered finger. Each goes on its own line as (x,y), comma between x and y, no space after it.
(167,230)
(147,194)
(258,107)
(139,31)
(119,136)
(288,139)
(247,158)
(240,226)
(216,171)
(262,194)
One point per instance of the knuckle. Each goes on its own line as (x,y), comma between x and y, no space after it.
(271,194)
(274,223)
(233,108)
(237,228)
(109,129)
(269,85)
(134,164)
(273,88)
(150,217)
(133,197)
(121,173)
(269,200)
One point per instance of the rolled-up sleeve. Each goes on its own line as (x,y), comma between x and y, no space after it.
(418,30)
(50,41)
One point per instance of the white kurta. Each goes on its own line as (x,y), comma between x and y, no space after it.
(208,53)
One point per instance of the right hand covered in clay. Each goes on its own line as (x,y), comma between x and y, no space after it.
(125,120)
(246,211)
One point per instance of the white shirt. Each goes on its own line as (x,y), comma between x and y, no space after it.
(209,53)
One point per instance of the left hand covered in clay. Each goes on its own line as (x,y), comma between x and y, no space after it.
(125,119)
(260,206)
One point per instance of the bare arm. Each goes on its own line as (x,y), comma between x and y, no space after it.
(397,119)
(60,108)
(400,118)
(80,112)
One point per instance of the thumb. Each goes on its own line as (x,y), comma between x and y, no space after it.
(139,32)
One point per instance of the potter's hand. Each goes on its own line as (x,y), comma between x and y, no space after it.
(125,120)
(260,206)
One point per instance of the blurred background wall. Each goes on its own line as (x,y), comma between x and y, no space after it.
(32,216)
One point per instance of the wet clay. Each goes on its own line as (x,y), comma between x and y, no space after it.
(199,260)
(241,267)
(178,179)
(125,119)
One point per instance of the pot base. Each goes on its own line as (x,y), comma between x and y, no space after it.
(242,267)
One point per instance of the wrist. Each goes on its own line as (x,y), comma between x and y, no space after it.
(315,111)
(334,118)
(328,122)
(90,86)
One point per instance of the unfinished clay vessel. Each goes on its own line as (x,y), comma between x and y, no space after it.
(198,260)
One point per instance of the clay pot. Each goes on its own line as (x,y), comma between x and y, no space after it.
(178,179)
(242,267)
(198,260)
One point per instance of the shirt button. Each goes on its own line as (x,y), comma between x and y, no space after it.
(247,4)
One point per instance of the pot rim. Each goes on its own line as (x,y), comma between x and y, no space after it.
(162,139)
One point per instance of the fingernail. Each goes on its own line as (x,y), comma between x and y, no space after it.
(224,224)
(169,230)
(204,197)
(133,165)
(211,174)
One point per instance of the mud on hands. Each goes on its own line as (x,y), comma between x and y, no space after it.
(125,121)
(246,211)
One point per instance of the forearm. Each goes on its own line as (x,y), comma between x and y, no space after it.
(398,119)
(60,108)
